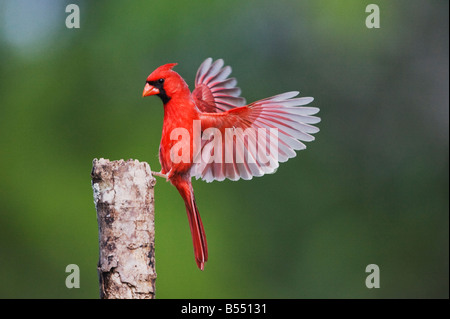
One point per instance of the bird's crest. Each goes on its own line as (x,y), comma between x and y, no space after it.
(166,67)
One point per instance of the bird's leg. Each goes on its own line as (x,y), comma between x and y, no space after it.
(159,174)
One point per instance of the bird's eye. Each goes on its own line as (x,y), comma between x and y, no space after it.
(161,80)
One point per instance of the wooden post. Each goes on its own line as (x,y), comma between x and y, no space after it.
(124,200)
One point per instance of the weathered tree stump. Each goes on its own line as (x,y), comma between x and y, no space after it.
(124,200)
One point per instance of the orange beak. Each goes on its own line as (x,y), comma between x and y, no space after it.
(149,90)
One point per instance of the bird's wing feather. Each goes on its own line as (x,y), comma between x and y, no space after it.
(251,140)
(214,92)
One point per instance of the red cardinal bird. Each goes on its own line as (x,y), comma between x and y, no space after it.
(212,134)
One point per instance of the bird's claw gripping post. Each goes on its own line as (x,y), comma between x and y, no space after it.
(159,174)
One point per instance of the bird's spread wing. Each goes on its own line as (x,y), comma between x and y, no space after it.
(251,140)
(214,92)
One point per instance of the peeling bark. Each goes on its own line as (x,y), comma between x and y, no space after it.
(124,200)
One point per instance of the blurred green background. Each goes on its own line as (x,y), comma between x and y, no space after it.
(372,188)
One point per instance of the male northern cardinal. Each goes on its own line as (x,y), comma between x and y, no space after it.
(221,136)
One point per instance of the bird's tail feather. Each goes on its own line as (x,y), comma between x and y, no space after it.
(195,223)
